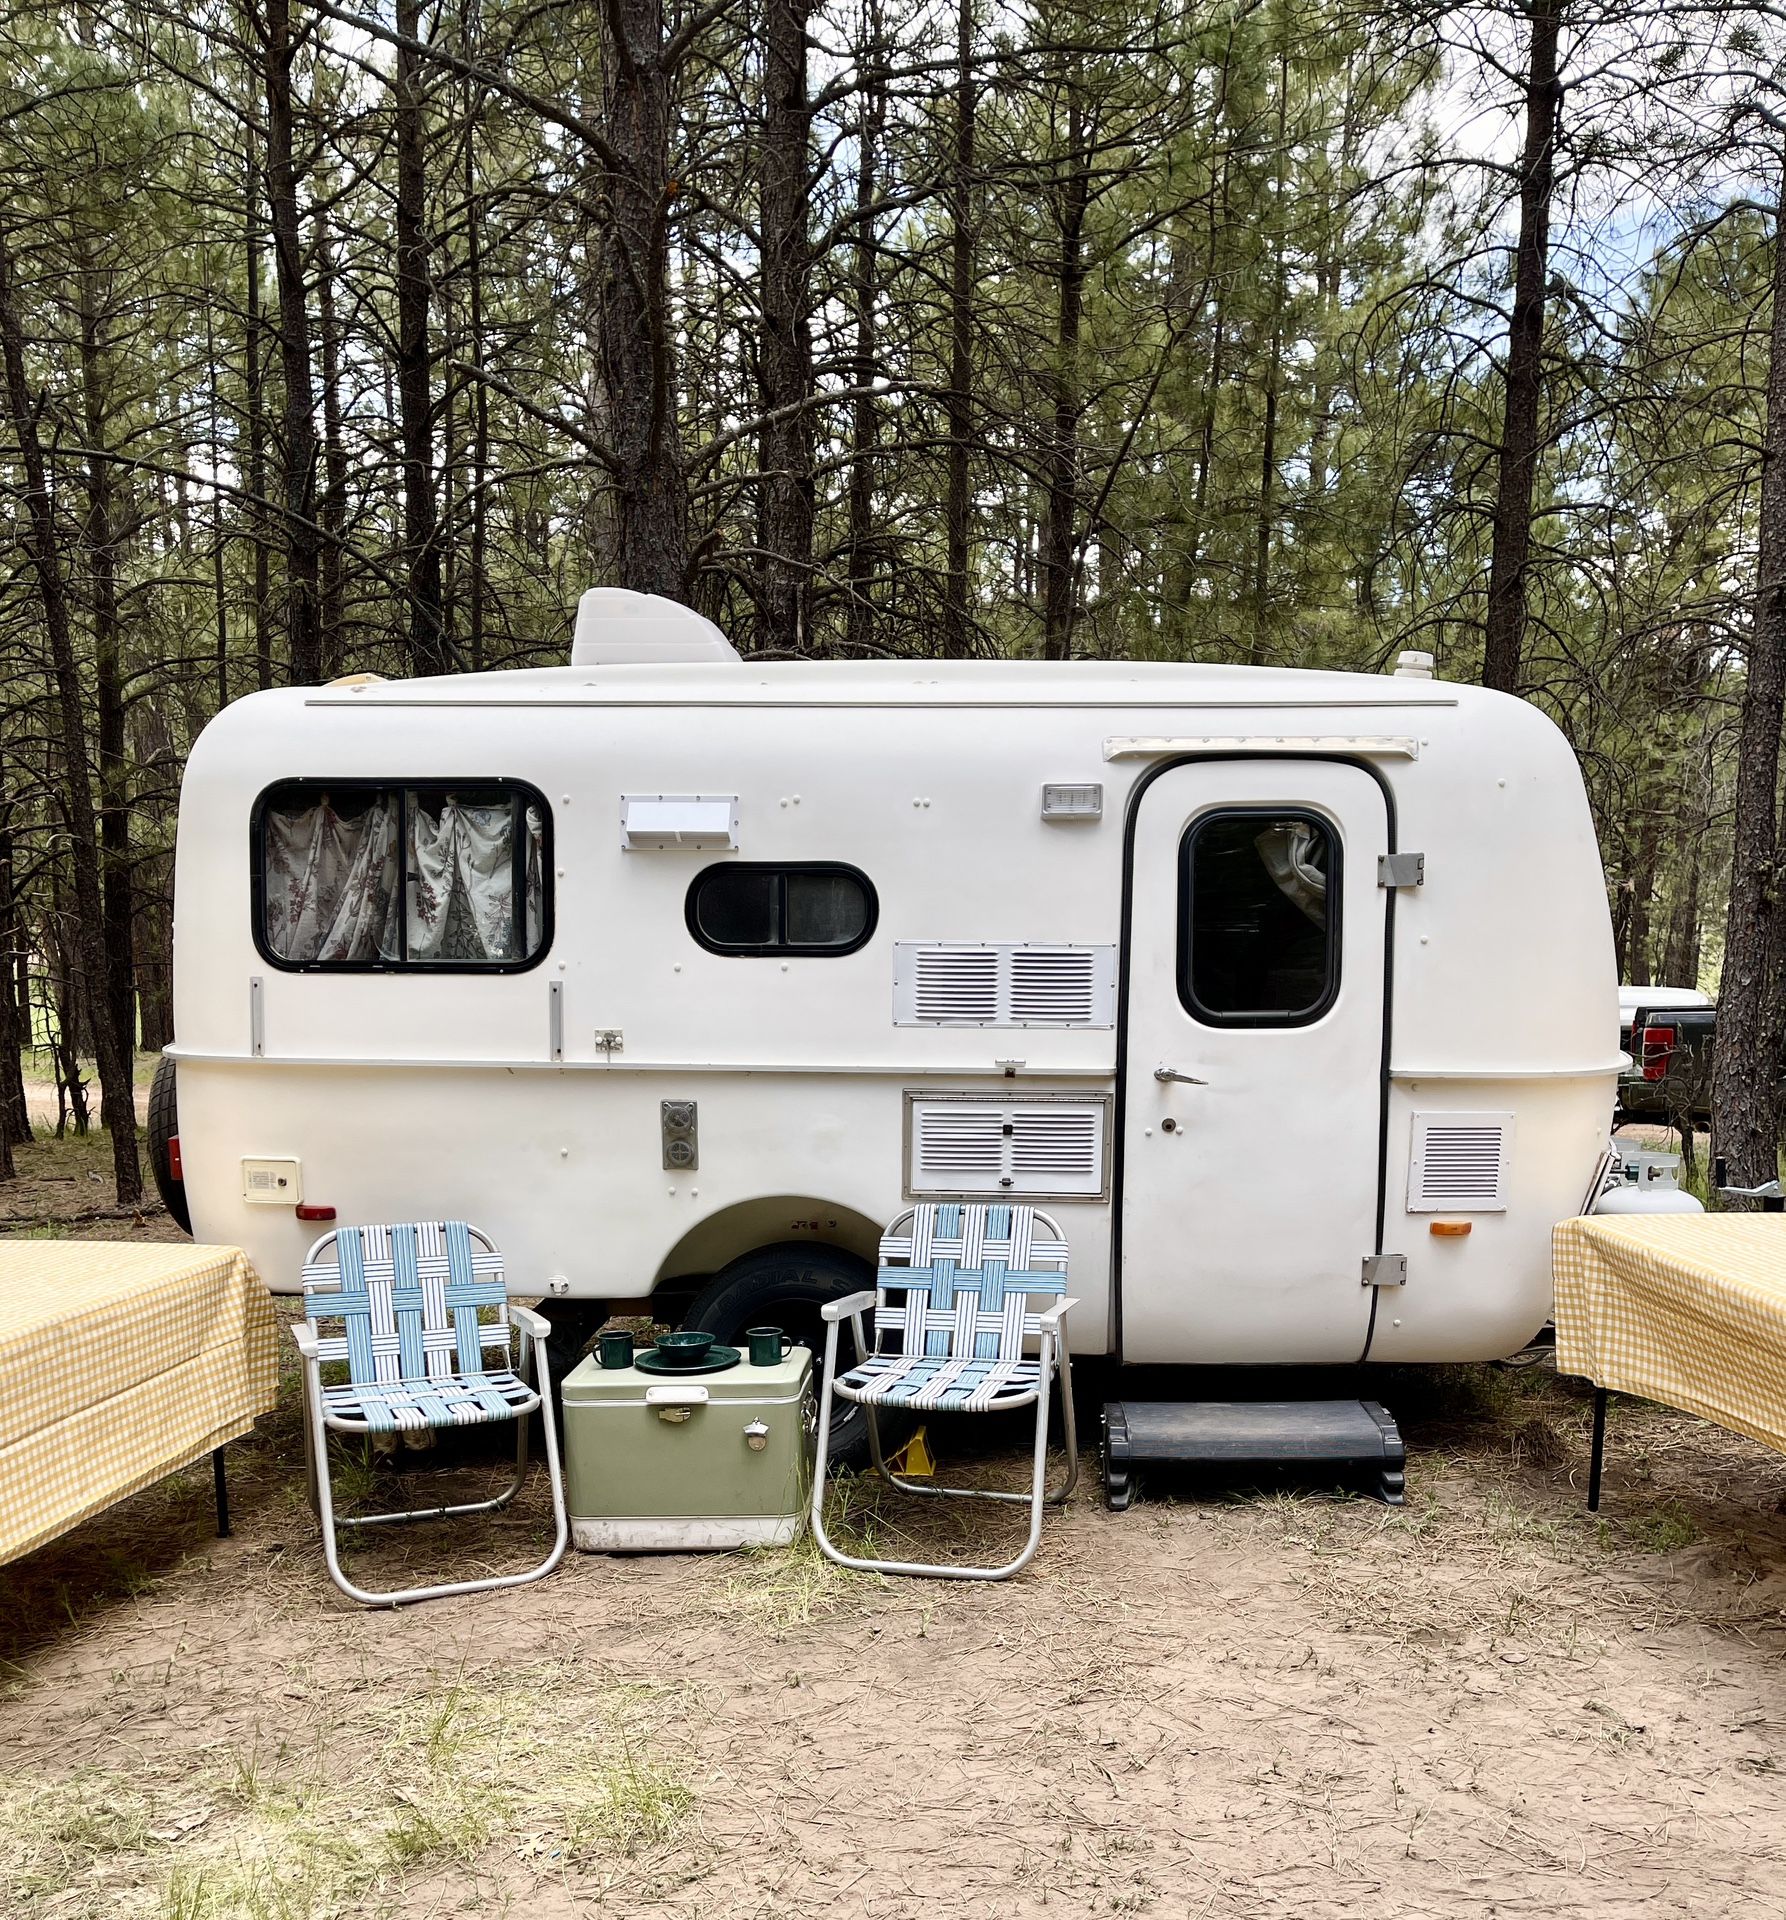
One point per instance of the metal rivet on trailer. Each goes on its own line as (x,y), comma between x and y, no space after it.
(564,1153)
(796,799)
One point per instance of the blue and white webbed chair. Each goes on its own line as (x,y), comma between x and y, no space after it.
(969,1317)
(406,1300)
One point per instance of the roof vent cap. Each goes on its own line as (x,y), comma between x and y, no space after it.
(1413,665)
(617,627)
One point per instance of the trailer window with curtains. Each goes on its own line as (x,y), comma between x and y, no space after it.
(363,875)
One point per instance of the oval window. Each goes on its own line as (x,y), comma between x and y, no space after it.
(811,908)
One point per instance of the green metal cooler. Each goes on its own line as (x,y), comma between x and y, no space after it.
(666,1465)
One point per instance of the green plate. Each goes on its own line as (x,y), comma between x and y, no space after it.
(716,1360)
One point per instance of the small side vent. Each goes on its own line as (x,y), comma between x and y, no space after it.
(982,984)
(954,986)
(1043,1148)
(1459,1163)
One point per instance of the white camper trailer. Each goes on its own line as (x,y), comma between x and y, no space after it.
(1291,995)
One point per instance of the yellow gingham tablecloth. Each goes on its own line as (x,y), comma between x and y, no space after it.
(118,1364)
(1685,1308)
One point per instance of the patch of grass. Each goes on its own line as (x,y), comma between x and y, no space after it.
(404,1785)
(54,1833)
(782,1588)
(625,1804)
(1662,1529)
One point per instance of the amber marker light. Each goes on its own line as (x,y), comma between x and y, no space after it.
(1449,1229)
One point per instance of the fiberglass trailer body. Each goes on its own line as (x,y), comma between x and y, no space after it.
(656,961)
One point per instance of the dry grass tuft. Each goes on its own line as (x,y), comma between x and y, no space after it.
(305,1822)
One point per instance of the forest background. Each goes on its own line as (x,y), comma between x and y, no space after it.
(1295,332)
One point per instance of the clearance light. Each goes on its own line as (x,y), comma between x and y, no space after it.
(1449,1229)
(306,1211)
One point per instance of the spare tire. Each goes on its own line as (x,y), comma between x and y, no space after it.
(164,1144)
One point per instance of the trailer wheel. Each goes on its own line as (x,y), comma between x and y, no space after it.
(164,1145)
(785,1287)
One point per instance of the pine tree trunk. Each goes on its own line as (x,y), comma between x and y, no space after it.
(784,351)
(303,539)
(333,514)
(415,356)
(480,401)
(958,505)
(1680,959)
(15,1114)
(638,348)
(1060,515)
(1643,892)
(1744,1076)
(1510,559)
(44,552)
(254,389)
(864,414)
(100,544)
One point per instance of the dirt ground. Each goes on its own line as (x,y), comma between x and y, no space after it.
(1264,1702)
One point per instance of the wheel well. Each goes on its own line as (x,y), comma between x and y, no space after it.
(774,1220)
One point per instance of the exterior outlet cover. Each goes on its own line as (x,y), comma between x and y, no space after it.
(272,1183)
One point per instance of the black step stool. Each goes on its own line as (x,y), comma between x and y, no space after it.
(1334,1439)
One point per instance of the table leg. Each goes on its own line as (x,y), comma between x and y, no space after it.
(221,1487)
(1599,1450)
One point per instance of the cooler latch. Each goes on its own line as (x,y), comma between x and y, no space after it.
(675,1404)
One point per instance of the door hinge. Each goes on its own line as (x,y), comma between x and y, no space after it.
(1401,869)
(1385,1270)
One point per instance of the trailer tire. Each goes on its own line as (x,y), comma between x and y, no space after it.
(785,1286)
(164,1131)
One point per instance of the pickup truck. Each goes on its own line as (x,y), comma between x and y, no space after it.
(1668,1033)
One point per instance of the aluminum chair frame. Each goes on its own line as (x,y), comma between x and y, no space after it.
(1044,1271)
(437,1322)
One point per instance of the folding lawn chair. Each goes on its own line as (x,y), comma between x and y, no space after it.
(955,1344)
(419,1355)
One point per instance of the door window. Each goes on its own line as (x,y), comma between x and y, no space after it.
(1258,918)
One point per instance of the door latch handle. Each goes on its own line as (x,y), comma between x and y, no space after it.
(1184,1079)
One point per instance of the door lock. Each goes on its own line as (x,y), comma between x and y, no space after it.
(1184,1079)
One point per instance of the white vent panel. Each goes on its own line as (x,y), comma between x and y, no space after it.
(1458,1163)
(1036,1149)
(954,986)
(984,984)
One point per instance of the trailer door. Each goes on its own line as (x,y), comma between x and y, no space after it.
(1255,970)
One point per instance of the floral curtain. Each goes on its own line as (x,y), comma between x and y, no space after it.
(462,869)
(331,878)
